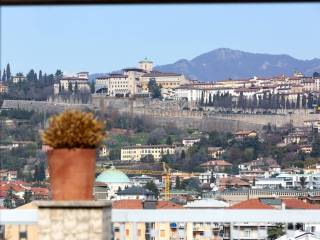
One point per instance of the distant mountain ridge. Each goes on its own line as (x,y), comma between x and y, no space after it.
(225,63)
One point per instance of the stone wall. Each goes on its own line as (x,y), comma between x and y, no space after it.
(170,112)
(69,220)
(41,106)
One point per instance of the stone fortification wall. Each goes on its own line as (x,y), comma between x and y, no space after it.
(41,106)
(170,112)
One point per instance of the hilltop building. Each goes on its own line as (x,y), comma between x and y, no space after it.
(79,82)
(134,81)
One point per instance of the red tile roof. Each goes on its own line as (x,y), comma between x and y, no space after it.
(40,191)
(292,203)
(167,205)
(138,204)
(15,187)
(216,163)
(127,204)
(251,204)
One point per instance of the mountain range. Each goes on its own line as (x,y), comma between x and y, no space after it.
(225,63)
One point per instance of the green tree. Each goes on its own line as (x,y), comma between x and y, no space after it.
(275,231)
(4,76)
(169,140)
(92,87)
(154,89)
(58,75)
(310,101)
(183,154)
(70,88)
(178,182)
(315,147)
(298,101)
(27,196)
(147,159)
(115,154)
(36,173)
(303,182)
(151,186)
(304,101)
(40,75)
(42,172)
(8,202)
(8,72)
(76,88)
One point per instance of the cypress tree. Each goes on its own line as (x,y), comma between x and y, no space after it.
(8,72)
(4,76)
(288,106)
(310,101)
(42,172)
(298,101)
(304,101)
(40,75)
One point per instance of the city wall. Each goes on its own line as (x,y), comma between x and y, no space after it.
(42,106)
(171,113)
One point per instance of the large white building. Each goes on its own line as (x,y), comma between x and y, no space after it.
(80,81)
(134,81)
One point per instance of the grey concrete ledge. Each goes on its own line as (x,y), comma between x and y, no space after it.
(73,204)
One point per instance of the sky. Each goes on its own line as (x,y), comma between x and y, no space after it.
(104,38)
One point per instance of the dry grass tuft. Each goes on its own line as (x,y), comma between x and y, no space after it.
(74,129)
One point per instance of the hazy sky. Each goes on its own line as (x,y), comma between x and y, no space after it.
(105,38)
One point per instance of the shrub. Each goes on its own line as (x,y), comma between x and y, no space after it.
(74,129)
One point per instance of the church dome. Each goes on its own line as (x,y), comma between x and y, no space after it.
(113,175)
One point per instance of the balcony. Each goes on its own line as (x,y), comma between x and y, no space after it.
(101,223)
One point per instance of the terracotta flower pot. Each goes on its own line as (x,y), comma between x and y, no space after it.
(72,173)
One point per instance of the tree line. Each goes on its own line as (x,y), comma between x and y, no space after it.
(267,101)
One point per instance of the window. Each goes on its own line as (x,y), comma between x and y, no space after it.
(127,232)
(247,232)
(162,233)
(139,232)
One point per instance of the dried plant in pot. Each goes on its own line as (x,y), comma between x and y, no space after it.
(73,137)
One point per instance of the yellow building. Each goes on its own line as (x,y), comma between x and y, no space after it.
(165,80)
(135,153)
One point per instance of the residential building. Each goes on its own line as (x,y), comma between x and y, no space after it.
(232,182)
(153,230)
(314,169)
(217,165)
(8,175)
(136,192)
(297,138)
(243,134)
(79,82)
(3,88)
(136,152)
(215,152)
(18,78)
(238,195)
(190,141)
(211,177)
(104,151)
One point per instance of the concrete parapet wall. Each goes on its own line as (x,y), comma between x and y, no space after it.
(69,220)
